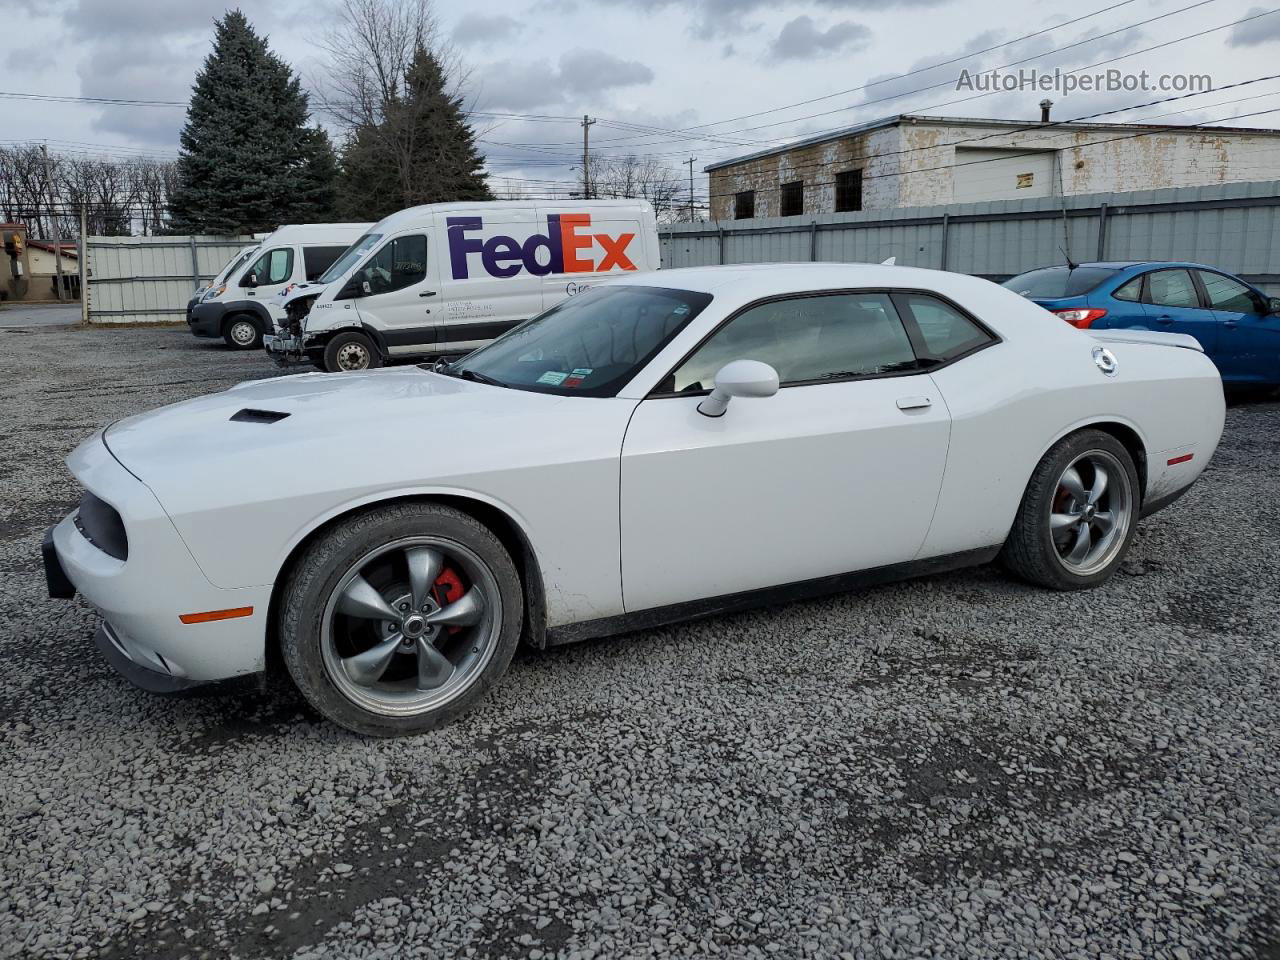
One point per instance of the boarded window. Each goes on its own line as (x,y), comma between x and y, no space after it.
(744,205)
(848,191)
(792,199)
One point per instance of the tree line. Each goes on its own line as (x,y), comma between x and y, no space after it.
(253,154)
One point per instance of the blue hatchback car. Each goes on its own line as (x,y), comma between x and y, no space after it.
(1237,324)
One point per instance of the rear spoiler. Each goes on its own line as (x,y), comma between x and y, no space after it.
(1148,336)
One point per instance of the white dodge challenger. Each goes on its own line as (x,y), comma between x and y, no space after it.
(661,447)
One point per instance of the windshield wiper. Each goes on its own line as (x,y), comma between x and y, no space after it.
(477,377)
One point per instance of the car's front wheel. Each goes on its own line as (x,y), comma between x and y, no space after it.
(399,619)
(1078,515)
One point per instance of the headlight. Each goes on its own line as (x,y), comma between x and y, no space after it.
(215,292)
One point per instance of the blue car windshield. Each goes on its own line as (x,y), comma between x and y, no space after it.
(591,344)
(1054,283)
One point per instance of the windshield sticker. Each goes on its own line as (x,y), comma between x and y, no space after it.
(573,382)
(581,372)
(552,378)
(681,310)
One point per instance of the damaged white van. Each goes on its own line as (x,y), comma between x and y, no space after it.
(443,279)
(238,308)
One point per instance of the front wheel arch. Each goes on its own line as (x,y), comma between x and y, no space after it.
(512,536)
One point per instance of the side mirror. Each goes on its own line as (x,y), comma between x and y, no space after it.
(250,281)
(1273,304)
(740,378)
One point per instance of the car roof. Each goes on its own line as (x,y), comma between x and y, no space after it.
(1129,264)
(752,281)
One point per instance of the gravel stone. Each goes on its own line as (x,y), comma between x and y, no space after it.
(959,767)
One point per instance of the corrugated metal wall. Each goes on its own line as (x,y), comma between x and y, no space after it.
(150,279)
(1233,226)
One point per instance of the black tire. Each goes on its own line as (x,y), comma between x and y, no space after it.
(341,351)
(317,574)
(1030,551)
(242,332)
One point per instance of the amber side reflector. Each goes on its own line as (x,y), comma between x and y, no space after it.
(210,615)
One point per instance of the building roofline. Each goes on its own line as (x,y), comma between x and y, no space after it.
(1028,125)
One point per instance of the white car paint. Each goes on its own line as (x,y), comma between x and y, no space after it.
(630,502)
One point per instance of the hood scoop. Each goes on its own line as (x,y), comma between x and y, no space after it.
(250,415)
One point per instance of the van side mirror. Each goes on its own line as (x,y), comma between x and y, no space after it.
(739,378)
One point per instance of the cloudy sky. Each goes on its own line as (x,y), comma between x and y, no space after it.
(667,79)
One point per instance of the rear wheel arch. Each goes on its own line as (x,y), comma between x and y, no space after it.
(1125,433)
(498,521)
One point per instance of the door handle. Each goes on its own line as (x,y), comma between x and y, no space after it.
(1164,318)
(914,403)
(427,293)
(1230,324)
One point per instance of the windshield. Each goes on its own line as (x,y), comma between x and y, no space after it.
(232,266)
(349,259)
(1053,283)
(591,344)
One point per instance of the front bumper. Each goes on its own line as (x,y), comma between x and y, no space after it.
(285,350)
(143,598)
(205,319)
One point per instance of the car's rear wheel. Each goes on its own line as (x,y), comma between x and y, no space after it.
(242,333)
(1078,515)
(349,352)
(399,619)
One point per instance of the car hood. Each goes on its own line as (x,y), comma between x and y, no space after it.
(266,417)
(262,462)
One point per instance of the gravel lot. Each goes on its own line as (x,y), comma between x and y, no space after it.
(959,767)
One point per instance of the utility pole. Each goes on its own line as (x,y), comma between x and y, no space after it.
(84,263)
(586,169)
(53,219)
(691,161)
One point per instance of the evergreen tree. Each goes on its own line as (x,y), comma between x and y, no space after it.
(249,162)
(422,151)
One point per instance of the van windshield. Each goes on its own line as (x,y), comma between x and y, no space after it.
(233,265)
(354,254)
(589,345)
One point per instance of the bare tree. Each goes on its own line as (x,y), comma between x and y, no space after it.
(643,178)
(47,194)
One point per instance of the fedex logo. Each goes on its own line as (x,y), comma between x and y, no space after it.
(565,243)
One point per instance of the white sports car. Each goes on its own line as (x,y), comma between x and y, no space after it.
(664,446)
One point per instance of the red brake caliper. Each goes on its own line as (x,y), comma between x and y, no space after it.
(447,589)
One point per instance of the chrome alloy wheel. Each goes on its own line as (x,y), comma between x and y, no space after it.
(353,356)
(1091,512)
(410,626)
(243,333)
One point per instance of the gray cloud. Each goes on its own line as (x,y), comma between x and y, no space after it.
(716,18)
(477,29)
(580,74)
(802,37)
(1255,32)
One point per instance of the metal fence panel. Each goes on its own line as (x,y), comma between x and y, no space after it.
(150,279)
(1233,226)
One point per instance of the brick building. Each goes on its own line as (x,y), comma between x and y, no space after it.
(917,161)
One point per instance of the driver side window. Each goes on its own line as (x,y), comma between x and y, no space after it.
(400,263)
(274,266)
(807,339)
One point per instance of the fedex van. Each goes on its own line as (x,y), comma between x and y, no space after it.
(238,307)
(445,278)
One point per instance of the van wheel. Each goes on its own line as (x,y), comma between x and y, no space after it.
(351,351)
(242,333)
